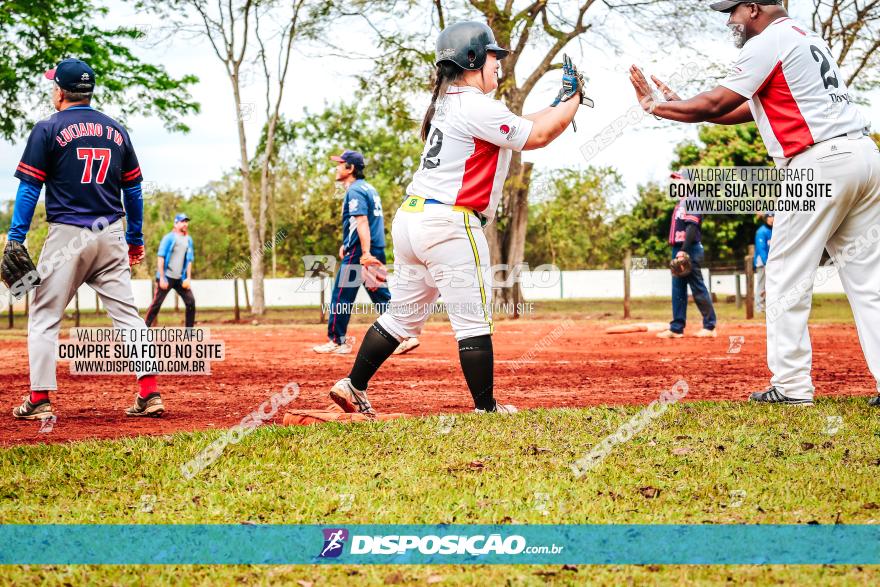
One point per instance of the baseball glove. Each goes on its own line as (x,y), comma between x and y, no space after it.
(681,265)
(18,271)
(375,274)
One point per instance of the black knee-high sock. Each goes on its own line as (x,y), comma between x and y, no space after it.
(377,347)
(477,363)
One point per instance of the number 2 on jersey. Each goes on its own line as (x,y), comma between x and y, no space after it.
(430,160)
(89,155)
(829,76)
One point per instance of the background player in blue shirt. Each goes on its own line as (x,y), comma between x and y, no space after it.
(89,167)
(762,250)
(174,264)
(363,237)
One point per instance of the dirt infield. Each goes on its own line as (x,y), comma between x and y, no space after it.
(539,363)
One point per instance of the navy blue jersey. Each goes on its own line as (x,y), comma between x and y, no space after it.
(85,158)
(362,199)
(678,227)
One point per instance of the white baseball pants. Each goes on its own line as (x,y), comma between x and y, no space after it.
(848,226)
(73,256)
(439,251)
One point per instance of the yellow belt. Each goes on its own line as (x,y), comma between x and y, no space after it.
(417,204)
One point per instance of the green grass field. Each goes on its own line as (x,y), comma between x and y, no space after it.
(698,463)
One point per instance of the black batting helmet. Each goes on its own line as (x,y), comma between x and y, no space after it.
(466,44)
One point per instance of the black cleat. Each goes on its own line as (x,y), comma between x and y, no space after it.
(874,402)
(772,396)
(149,406)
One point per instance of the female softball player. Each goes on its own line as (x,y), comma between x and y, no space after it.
(439,246)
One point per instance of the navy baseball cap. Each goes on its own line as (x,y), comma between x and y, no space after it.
(180,218)
(73,75)
(729,5)
(351,157)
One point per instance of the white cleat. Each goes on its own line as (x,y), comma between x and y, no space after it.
(669,334)
(499,409)
(406,346)
(703,333)
(351,400)
(331,348)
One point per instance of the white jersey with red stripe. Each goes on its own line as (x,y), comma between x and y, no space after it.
(797,94)
(467,154)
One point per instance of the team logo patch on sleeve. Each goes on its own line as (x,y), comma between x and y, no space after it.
(352,205)
(504,129)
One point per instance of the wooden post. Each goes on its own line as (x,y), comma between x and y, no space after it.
(627,267)
(11,317)
(176,302)
(739,297)
(27,304)
(323,316)
(517,292)
(237,310)
(76,307)
(750,284)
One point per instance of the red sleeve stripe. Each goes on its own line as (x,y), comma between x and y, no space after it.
(129,175)
(32,171)
(691,218)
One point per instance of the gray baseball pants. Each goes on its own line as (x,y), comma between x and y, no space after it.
(72,256)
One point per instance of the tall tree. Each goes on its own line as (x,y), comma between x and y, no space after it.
(256,34)
(37,34)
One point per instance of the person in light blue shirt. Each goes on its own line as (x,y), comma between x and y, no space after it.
(174,271)
(762,251)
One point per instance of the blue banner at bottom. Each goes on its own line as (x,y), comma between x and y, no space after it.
(439,544)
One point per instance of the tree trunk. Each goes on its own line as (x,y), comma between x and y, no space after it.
(507,236)
(253,231)
(517,224)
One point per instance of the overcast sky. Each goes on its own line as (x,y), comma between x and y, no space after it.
(641,152)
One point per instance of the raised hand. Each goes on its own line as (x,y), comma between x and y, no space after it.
(644,93)
(667,92)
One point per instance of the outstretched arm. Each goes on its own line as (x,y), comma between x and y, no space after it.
(549,123)
(739,116)
(717,105)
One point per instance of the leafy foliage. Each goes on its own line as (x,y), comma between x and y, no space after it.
(645,229)
(310,200)
(726,237)
(572,222)
(36,34)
